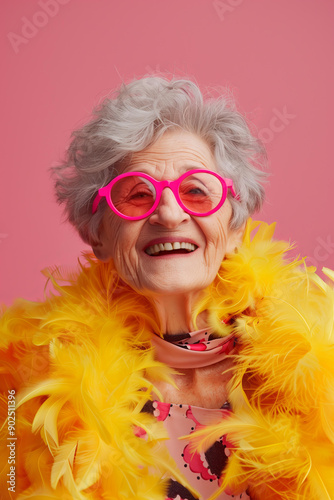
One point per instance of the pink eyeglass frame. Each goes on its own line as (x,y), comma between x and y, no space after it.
(159,187)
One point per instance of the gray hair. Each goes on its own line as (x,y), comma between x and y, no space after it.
(137,115)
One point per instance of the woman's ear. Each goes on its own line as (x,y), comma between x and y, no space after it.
(102,251)
(98,251)
(235,238)
(103,244)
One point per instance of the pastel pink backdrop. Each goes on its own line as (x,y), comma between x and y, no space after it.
(61,57)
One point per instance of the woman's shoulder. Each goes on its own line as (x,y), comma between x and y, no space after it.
(282,389)
(76,367)
(82,310)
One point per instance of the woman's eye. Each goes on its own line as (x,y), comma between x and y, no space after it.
(193,190)
(196,191)
(140,194)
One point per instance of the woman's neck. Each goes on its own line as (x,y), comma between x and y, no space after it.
(176,311)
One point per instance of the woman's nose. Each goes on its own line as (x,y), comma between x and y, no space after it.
(168,213)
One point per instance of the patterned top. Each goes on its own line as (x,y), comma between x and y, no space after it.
(202,470)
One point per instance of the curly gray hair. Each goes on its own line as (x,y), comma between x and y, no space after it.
(138,115)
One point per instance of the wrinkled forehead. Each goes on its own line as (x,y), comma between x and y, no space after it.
(175,150)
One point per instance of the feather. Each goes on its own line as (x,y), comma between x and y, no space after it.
(246,276)
(165,463)
(63,462)
(45,493)
(76,408)
(328,272)
(203,438)
(47,416)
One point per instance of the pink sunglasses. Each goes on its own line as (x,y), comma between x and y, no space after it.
(135,195)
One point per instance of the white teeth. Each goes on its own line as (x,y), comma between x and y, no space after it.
(168,246)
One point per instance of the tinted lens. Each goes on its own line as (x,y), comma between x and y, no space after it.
(201,192)
(133,196)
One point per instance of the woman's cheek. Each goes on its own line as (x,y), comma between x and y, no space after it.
(126,261)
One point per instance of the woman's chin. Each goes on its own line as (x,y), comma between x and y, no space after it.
(169,285)
(174,273)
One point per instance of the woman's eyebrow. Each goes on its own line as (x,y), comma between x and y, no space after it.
(148,168)
(193,167)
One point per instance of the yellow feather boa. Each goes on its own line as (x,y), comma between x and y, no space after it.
(80,362)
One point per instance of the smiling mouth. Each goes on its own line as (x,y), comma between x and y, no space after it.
(177,247)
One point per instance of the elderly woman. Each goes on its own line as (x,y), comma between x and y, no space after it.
(186,360)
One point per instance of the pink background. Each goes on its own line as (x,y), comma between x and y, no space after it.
(60,62)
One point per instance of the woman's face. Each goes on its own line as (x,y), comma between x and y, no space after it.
(127,242)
